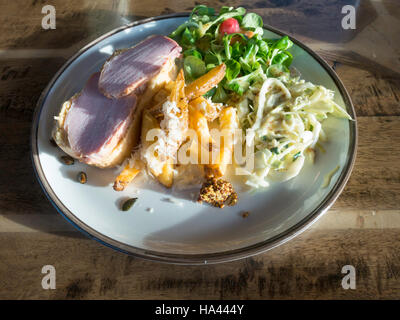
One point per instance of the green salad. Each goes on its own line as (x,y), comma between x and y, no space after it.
(235,38)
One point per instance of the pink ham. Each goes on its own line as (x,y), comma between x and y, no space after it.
(129,70)
(96,124)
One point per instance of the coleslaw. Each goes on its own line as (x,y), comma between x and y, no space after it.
(282,116)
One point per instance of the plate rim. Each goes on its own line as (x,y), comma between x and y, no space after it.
(207,258)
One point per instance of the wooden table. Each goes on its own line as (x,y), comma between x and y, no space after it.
(362,228)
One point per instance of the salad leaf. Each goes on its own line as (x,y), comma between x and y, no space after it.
(251,50)
(283,43)
(241,84)
(210,93)
(220,95)
(237,50)
(179,30)
(282,58)
(252,20)
(245,66)
(203,10)
(188,37)
(193,67)
(225,9)
(227,43)
(263,48)
(277,71)
(232,69)
(192,52)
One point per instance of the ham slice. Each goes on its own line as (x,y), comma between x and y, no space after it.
(95,124)
(100,126)
(130,70)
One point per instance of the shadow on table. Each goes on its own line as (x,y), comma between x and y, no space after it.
(73,29)
(319,20)
(21,198)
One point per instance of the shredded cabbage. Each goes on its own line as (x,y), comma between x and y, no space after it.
(283,116)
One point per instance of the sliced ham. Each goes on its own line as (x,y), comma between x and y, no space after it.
(95,124)
(131,69)
(100,126)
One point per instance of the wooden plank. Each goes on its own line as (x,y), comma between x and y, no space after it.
(77,23)
(19,190)
(375,181)
(22,81)
(358,219)
(306,267)
(332,220)
(374,92)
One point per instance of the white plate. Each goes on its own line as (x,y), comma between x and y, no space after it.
(187,232)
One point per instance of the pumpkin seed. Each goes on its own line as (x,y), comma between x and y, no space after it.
(82,177)
(128,204)
(68,160)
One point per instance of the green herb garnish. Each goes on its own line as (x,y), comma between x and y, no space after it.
(296,156)
(274,150)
